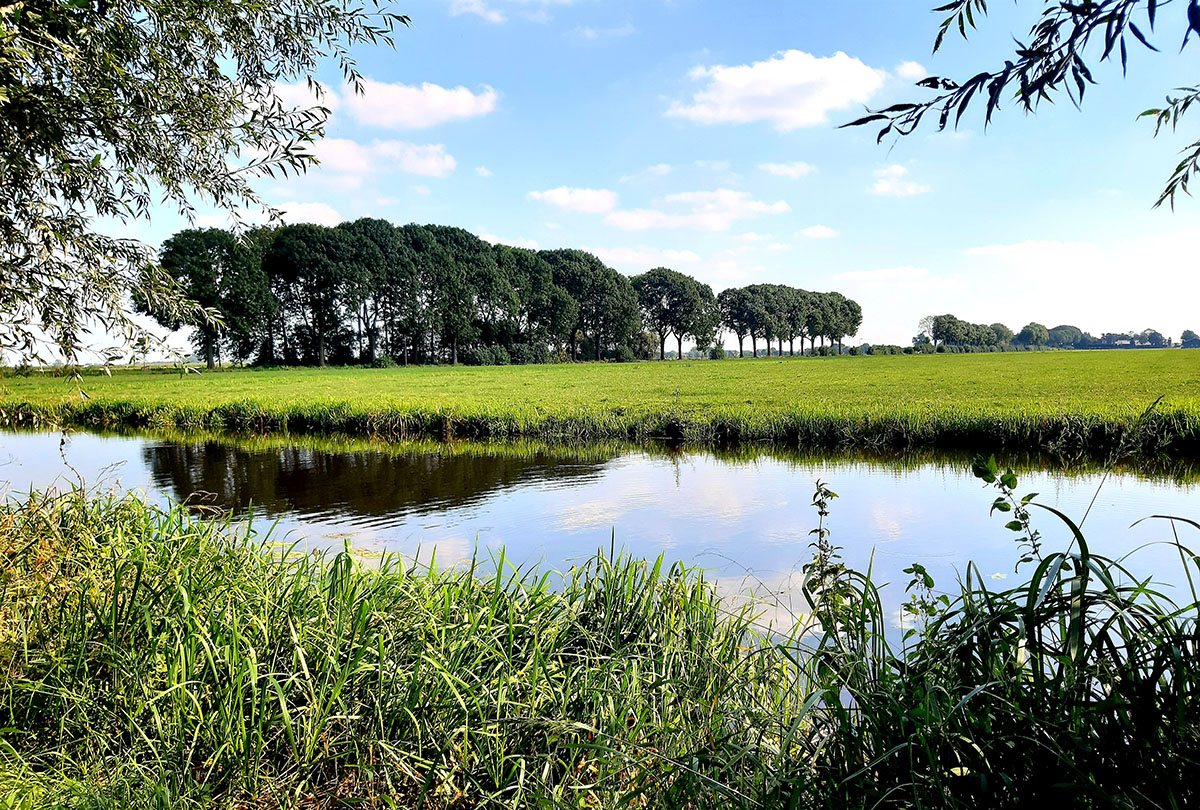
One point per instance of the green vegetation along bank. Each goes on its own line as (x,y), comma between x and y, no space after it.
(152,661)
(1069,403)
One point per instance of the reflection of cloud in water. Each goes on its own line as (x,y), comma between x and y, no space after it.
(776,599)
(890,521)
(605,513)
(448,551)
(591,515)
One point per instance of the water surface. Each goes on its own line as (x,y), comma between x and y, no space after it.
(744,516)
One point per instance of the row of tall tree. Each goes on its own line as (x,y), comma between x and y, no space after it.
(777,313)
(947,330)
(367,290)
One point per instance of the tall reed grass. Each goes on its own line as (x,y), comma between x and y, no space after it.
(151,659)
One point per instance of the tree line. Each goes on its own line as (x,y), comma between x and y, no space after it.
(946,332)
(369,291)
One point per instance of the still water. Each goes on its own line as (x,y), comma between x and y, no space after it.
(745,517)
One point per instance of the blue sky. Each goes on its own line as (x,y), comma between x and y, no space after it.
(702,136)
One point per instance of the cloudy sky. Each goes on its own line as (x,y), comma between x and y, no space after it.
(701,135)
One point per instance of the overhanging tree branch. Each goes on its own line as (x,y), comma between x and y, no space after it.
(1056,59)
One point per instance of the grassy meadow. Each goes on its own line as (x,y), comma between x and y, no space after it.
(153,661)
(1086,403)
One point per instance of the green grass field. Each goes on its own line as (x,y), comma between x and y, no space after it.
(1066,402)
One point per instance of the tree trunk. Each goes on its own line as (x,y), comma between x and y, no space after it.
(662,347)
(679,344)
(754,345)
(208,354)
(454,351)
(740,352)
(792,347)
(781,346)
(266,355)
(321,349)
(597,347)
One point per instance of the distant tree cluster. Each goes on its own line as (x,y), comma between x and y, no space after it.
(372,292)
(948,333)
(774,313)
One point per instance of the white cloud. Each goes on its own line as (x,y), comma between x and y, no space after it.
(641,258)
(650,172)
(911,70)
(217,220)
(712,165)
(730,273)
(481,9)
(428,161)
(583,200)
(316,213)
(1031,249)
(703,210)
(588,32)
(300,95)
(793,89)
(709,211)
(819,232)
(491,238)
(890,182)
(478,8)
(778,247)
(554,226)
(792,171)
(888,275)
(359,160)
(751,236)
(422,190)
(483,171)
(403,106)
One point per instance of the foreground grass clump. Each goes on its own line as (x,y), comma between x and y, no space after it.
(142,648)
(1068,403)
(151,660)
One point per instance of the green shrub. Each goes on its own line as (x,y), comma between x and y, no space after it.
(527,354)
(624,354)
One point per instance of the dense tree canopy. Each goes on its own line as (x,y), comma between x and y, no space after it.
(673,303)
(777,313)
(106,107)
(200,261)
(946,332)
(371,292)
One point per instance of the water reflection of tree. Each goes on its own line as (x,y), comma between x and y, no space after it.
(310,481)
